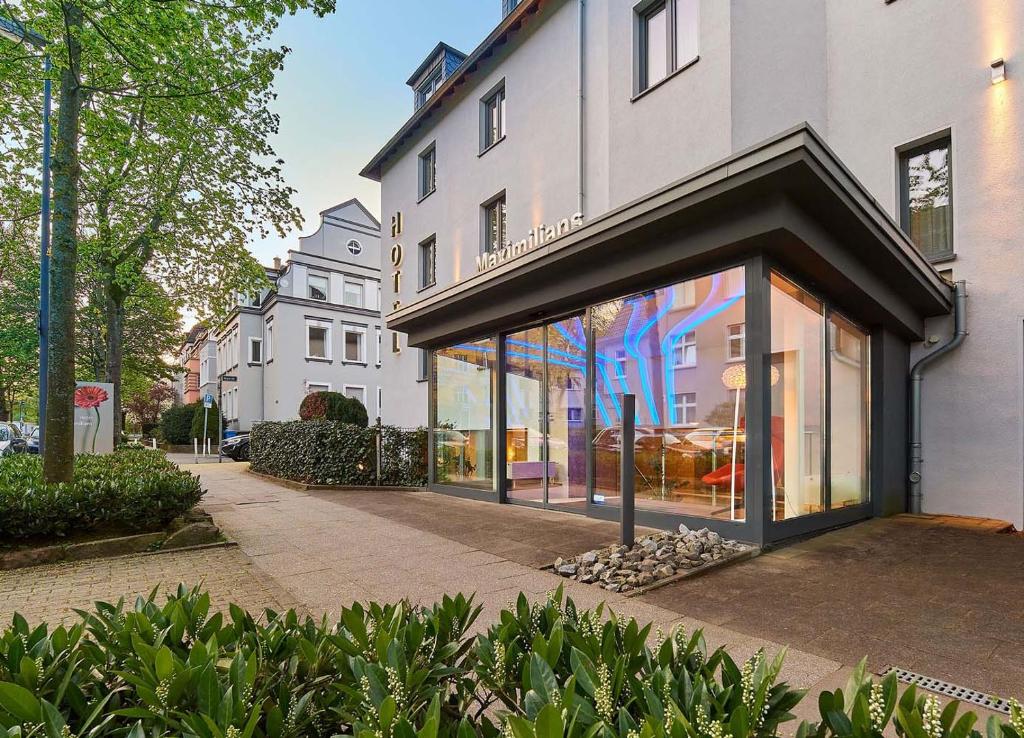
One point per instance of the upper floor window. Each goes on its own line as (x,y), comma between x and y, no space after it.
(423,365)
(255,350)
(494,225)
(317,287)
(685,351)
(355,248)
(428,171)
(270,340)
(492,117)
(355,343)
(318,339)
(429,86)
(926,197)
(736,342)
(667,34)
(428,262)
(354,293)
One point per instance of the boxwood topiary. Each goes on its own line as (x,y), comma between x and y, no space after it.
(333,406)
(176,423)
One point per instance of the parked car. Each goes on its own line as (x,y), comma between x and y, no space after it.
(33,441)
(236,447)
(11,440)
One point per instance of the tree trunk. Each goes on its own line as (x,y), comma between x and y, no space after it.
(59,459)
(114,298)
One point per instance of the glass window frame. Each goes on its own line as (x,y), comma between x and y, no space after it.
(359,330)
(255,341)
(310,276)
(326,327)
(934,142)
(643,13)
(499,206)
(427,262)
(492,118)
(426,171)
(357,283)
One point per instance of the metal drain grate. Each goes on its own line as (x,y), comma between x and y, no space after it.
(963,694)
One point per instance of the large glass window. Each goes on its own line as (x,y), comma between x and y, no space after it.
(524,415)
(926,211)
(690,419)
(798,391)
(493,118)
(463,422)
(819,359)
(850,401)
(669,33)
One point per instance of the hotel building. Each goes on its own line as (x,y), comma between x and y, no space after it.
(756,218)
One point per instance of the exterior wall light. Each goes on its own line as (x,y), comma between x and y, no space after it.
(998,71)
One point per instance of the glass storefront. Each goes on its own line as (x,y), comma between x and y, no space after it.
(682,351)
(462,417)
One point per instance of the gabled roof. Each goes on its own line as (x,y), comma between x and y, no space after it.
(431,58)
(509,25)
(347,203)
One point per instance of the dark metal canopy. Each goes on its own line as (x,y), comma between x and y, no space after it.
(789,198)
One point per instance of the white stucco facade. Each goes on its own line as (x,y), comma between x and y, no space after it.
(869,76)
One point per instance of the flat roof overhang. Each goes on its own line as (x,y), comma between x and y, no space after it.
(788,197)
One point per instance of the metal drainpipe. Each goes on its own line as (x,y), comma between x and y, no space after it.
(580,153)
(916,379)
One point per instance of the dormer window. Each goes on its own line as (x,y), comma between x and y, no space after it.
(429,86)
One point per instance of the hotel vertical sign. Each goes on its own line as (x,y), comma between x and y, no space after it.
(397,256)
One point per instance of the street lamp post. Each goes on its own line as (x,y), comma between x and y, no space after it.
(16,32)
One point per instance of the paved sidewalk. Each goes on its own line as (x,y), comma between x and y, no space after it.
(51,593)
(325,552)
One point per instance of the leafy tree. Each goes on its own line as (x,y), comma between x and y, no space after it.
(205,419)
(161,127)
(146,406)
(176,423)
(19,339)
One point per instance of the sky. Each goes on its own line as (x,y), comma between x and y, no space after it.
(342,93)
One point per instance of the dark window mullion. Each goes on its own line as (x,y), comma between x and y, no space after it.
(826,441)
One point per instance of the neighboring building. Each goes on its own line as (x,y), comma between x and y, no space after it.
(197,359)
(318,328)
(746,214)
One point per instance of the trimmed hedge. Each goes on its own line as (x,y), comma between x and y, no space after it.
(541,670)
(176,423)
(333,406)
(333,453)
(130,490)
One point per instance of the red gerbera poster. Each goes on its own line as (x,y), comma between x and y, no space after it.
(94,418)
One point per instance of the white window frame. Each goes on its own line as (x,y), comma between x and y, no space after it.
(360,387)
(378,332)
(327,286)
(360,330)
(310,385)
(621,359)
(687,341)
(380,402)
(254,340)
(311,323)
(353,282)
(685,404)
(358,247)
(731,338)
(268,348)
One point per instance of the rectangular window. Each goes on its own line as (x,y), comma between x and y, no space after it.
(429,86)
(736,342)
(355,343)
(428,171)
(356,392)
(423,370)
(492,123)
(380,402)
(317,287)
(494,225)
(926,197)
(354,293)
(428,261)
(378,342)
(318,340)
(312,387)
(255,350)
(270,341)
(667,36)
(685,352)
(849,406)
(685,407)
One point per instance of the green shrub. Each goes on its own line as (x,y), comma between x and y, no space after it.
(131,489)
(208,419)
(176,423)
(546,670)
(333,406)
(336,453)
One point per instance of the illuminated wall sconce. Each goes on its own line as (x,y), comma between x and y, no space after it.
(998,71)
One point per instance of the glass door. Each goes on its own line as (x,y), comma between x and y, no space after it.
(545,430)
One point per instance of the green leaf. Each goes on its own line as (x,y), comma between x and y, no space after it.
(549,723)
(20,703)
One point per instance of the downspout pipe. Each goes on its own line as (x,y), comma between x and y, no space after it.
(580,104)
(917,379)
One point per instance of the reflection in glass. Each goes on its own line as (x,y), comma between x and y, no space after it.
(566,396)
(656,34)
(463,426)
(929,199)
(848,357)
(524,410)
(797,422)
(678,350)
